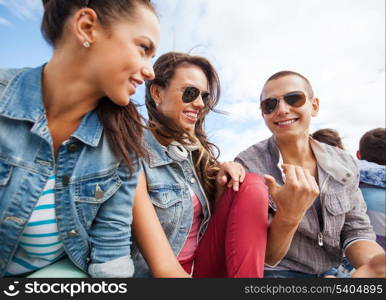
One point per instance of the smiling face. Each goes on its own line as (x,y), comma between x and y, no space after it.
(169,99)
(120,57)
(288,122)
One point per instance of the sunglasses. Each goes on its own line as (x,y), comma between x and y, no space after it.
(294,99)
(191,93)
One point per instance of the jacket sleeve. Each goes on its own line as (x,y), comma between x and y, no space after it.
(357,224)
(110,234)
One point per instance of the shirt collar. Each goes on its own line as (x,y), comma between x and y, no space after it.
(334,161)
(23,100)
(90,129)
(327,158)
(23,97)
(157,152)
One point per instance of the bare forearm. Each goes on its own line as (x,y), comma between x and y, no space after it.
(375,268)
(280,235)
(169,269)
(156,250)
(361,252)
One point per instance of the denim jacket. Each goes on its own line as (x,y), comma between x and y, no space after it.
(168,183)
(93,191)
(314,250)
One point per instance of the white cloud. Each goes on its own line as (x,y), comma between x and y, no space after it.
(233,142)
(4,22)
(338,45)
(24,9)
(242,111)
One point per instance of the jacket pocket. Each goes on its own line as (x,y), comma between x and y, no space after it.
(5,173)
(90,194)
(167,200)
(337,205)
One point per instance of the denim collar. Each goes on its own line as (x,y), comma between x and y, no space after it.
(329,158)
(157,152)
(23,100)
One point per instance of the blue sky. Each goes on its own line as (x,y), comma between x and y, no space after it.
(338,44)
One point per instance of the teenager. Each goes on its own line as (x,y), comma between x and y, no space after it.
(204,218)
(70,138)
(318,211)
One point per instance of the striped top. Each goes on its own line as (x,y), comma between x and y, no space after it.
(39,244)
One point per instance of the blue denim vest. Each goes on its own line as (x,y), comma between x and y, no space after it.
(168,183)
(93,192)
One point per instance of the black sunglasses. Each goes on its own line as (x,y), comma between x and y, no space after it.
(294,99)
(191,93)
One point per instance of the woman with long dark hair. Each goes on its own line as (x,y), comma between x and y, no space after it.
(70,139)
(208,219)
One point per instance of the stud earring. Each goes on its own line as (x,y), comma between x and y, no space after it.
(86,44)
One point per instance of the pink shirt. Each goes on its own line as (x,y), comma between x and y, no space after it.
(187,252)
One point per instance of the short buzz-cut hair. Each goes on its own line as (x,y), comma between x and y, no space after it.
(372,146)
(281,74)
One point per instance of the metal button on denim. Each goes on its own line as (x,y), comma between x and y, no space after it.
(72,233)
(192,180)
(73,147)
(65,180)
(99,194)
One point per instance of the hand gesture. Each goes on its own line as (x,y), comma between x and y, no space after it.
(231,174)
(297,195)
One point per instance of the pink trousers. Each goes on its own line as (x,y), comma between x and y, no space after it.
(235,240)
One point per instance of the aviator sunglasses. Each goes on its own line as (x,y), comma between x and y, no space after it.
(191,93)
(294,99)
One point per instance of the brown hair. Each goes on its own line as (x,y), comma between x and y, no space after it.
(121,123)
(291,73)
(206,163)
(328,136)
(372,146)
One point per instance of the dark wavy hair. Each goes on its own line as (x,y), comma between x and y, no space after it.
(121,123)
(328,136)
(372,146)
(206,163)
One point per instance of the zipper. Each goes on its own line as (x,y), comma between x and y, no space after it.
(320,239)
(321,230)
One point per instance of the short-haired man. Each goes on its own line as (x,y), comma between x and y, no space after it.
(371,163)
(317,210)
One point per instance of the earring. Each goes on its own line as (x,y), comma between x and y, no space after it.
(86,44)
(156,104)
